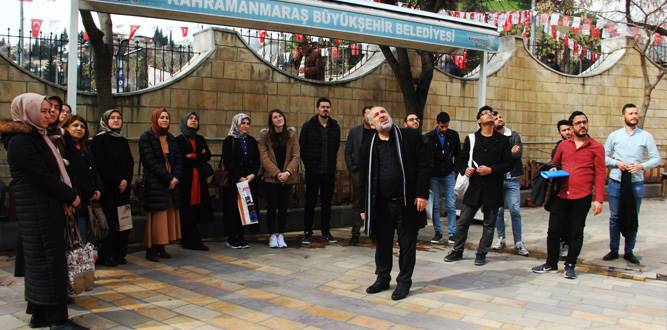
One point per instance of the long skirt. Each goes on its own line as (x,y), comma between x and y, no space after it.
(162,227)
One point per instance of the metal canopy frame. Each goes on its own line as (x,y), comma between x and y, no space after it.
(364,21)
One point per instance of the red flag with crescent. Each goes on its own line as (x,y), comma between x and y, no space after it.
(133,30)
(36,25)
(184,31)
(262,36)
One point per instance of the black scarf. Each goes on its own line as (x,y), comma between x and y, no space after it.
(628,220)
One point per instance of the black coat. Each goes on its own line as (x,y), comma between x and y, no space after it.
(444,157)
(157,196)
(203,156)
(114,162)
(231,158)
(494,152)
(39,197)
(417,162)
(82,171)
(310,142)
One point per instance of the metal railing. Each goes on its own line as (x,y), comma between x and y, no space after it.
(137,64)
(308,57)
(460,65)
(658,54)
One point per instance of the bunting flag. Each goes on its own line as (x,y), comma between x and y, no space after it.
(554,30)
(85,36)
(508,23)
(657,39)
(566,21)
(299,37)
(334,53)
(544,18)
(339,41)
(595,33)
(36,26)
(566,41)
(576,21)
(184,31)
(554,19)
(355,49)
(586,28)
(262,36)
(133,30)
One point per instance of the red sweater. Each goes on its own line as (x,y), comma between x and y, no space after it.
(586,168)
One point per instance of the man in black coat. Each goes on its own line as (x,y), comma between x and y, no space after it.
(319,142)
(395,168)
(352,159)
(492,158)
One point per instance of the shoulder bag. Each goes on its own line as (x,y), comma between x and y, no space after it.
(462,181)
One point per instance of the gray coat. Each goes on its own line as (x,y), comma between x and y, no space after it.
(353,148)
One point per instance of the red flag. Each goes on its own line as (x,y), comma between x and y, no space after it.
(355,49)
(566,40)
(184,31)
(595,33)
(576,48)
(508,23)
(85,36)
(262,36)
(299,37)
(593,56)
(36,25)
(339,41)
(133,30)
(554,30)
(459,61)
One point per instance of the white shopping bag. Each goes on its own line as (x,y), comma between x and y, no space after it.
(246,204)
(429,206)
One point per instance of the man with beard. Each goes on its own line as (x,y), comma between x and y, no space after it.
(564,128)
(511,190)
(583,158)
(395,167)
(624,153)
(491,159)
(319,142)
(411,121)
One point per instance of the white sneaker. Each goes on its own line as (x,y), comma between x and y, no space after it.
(500,244)
(521,249)
(273,241)
(281,241)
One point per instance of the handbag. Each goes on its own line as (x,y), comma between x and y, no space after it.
(124,217)
(80,260)
(221,175)
(462,181)
(206,170)
(98,227)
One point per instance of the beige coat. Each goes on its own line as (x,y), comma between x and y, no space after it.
(268,158)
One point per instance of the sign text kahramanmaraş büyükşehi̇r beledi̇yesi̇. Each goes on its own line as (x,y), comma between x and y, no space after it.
(309,16)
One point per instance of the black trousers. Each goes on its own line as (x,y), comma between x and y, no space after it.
(114,246)
(55,314)
(389,218)
(567,215)
(277,195)
(463,224)
(190,215)
(232,219)
(356,201)
(324,185)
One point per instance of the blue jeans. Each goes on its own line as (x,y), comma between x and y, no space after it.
(448,184)
(512,193)
(82,224)
(614,192)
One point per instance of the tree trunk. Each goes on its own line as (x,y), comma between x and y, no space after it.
(102,43)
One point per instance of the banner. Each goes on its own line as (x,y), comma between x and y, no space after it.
(36,25)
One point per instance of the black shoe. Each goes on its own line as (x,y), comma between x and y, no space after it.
(480,259)
(162,252)
(437,237)
(450,240)
(329,238)
(454,256)
(400,292)
(151,254)
(354,241)
(122,261)
(69,325)
(306,238)
(36,322)
(610,256)
(544,268)
(569,272)
(379,286)
(631,258)
(234,245)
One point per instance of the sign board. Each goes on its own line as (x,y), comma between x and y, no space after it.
(359,21)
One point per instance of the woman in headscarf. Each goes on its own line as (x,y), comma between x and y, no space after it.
(279,153)
(195,202)
(43,196)
(240,155)
(115,165)
(162,163)
(81,169)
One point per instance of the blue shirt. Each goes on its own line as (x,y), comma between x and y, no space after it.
(441,137)
(629,148)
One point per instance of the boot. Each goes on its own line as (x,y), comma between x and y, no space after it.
(151,254)
(162,253)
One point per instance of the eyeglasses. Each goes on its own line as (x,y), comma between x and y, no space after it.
(414,119)
(580,123)
(486,112)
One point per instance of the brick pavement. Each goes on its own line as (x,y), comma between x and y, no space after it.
(323,287)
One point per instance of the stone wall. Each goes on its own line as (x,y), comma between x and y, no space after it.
(530,96)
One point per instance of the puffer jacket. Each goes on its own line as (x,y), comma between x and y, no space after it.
(157,196)
(39,196)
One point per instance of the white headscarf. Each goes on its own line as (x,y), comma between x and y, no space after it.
(236,124)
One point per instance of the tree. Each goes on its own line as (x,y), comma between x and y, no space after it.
(415,85)
(101,39)
(649,17)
